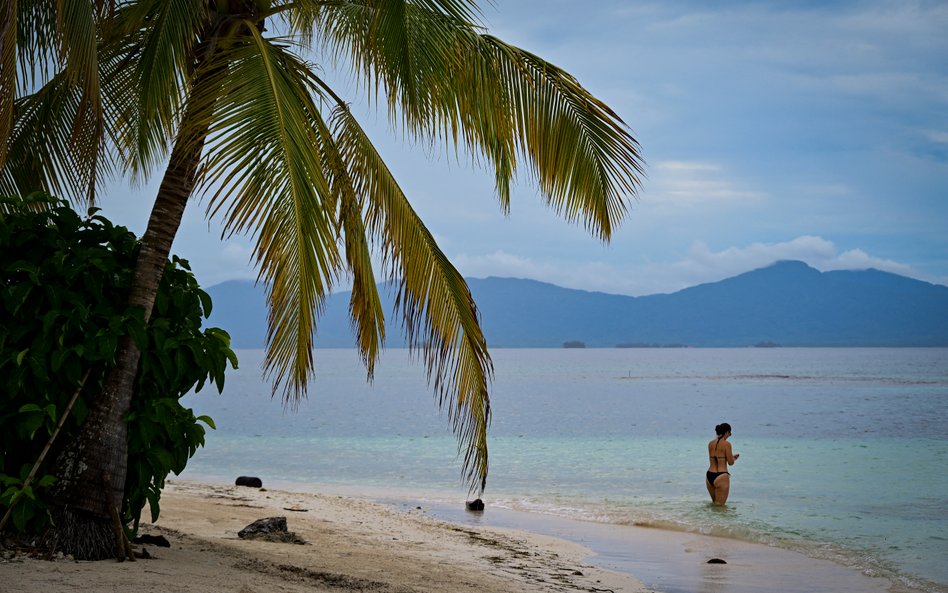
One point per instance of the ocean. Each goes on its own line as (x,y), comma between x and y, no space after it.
(843,451)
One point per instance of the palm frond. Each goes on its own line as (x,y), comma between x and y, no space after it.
(445,79)
(584,159)
(50,40)
(8,74)
(365,306)
(155,41)
(42,152)
(263,158)
(439,313)
(37,41)
(305,16)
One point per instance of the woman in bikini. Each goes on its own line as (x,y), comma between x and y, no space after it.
(718,480)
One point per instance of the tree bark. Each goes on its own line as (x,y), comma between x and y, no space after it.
(83,526)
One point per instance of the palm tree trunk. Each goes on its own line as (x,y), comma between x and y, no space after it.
(83,527)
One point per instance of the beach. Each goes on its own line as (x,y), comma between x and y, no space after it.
(351,545)
(356,544)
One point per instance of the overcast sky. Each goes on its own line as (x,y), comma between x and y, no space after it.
(815,131)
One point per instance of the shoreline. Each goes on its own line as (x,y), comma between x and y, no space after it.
(664,559)
(671,561)
(352,545)
(357,543)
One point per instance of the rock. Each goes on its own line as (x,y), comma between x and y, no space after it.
(249,481)
(476,505)
(155,540)
(716,561)
(271,529)
(263,526)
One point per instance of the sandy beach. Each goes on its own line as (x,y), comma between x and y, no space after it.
(351,545)
(356,544)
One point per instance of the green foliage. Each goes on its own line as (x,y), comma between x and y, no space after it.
(63,283)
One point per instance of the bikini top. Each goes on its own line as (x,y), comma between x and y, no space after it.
(714,458)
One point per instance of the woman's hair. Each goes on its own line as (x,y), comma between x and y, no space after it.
(722,429)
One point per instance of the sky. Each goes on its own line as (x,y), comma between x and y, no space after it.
(813,131)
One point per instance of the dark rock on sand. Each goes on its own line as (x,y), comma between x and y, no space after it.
(262,526)
(154,540)
(716,561)
(250,481)
(474,505)
(271,529)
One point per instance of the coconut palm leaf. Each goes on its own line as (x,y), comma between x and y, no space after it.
(263,161)
(8,74)
(41,150)
(583,156)
(46,40)
(445,79)
(439,313)
(156,40)
(365,306)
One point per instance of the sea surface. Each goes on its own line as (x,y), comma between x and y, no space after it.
(844,452)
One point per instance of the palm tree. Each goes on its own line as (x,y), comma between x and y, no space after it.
(233,90)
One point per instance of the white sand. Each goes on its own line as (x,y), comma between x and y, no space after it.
(353,545)
(357,545)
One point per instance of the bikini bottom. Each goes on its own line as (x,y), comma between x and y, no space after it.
(712,476)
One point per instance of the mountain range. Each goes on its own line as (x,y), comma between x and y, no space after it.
(785,304)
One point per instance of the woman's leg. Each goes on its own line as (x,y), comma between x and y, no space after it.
(710,488)
(722,487)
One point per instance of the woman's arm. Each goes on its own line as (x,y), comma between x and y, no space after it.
(731,456)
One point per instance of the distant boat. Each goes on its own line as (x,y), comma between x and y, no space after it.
(574,344)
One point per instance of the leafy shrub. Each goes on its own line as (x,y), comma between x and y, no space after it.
(63,286)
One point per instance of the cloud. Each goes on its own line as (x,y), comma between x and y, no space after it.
(689,183)
(700,265)
(703,265)
(818,252)
(937,136)
(230,260)
(501,263)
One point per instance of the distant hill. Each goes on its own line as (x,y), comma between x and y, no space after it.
(785,304)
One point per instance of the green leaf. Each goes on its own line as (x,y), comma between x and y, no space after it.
(29,424)
(207,420)
(206,304)
(27,493)
(56,361)
(22,513)
(8,494)
(162,456)
(153,504)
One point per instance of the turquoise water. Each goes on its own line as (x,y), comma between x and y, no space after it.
(843,451)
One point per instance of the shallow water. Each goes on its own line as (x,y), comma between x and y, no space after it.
(842,450)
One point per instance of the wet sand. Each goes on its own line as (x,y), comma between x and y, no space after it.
(677,562)
(354,544)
